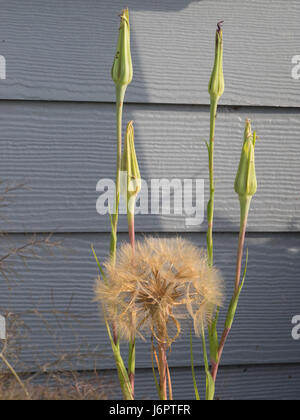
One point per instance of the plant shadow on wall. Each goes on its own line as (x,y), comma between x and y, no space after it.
(160,6)
(145,29)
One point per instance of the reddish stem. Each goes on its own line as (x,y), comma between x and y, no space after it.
(115,333)
(131,229)
(131,378)
(240,255)
(163,370)
(215,365)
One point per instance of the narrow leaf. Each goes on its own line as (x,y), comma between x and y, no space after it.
(98,263)
(193,368)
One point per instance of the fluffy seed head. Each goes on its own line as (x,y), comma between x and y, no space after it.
(166,281)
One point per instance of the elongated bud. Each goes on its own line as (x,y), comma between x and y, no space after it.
(131,178)
(246,183)
(216,84)
(122,71)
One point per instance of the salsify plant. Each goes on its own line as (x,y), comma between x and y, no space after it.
(130,188)
(151,289)
(122,73)
(245,186)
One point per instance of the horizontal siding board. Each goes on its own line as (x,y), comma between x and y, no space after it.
(60,289)
(64,50)
(60,151)
(270,382)
(238,383)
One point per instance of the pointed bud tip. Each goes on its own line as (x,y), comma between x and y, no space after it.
(124,13)
(220,25)
(248,129)
(216,85)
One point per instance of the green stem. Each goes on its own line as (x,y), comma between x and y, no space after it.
(122,372)
(245,207)
(120,95)
(193,368)
(212,329)
(210,385)
(210,207)
(204,348)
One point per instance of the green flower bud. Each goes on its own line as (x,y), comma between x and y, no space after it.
(216,84)
(246,183)
(122,71)
(131,178)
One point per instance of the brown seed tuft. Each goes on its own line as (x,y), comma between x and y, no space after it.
(168,280)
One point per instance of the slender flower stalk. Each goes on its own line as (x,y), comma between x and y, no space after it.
(216,90)
(115,345)
(245,187)
(122,73)
(130,188)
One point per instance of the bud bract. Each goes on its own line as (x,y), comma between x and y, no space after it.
(131,178)
(246,183)
(122,71)
(216,84)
